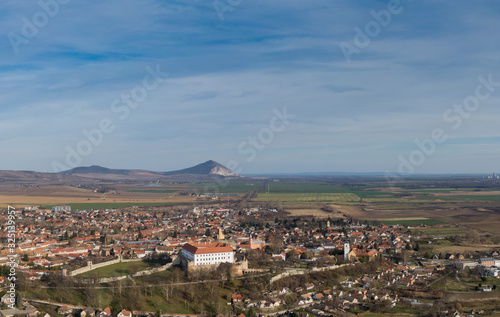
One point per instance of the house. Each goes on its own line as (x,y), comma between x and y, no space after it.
(275,302)
(348,284)
(65,310)
(359,296)
(87,312)
(489,271)
(236,298)
(256,244)
(486,288)
(124,313)
(456,313)
(487,262)
(407,282)
(309,286)
(7,299)
(356,254)
(278,257)
(106,312)
(305,299)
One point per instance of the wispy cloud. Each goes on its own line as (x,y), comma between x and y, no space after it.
(225,77)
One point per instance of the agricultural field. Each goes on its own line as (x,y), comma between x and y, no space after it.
(152,191)
(116,196)
(301,198)
(468,201)
(310,187)
(412,222)
(433,232)
(95,206)
(229,187)
(89,203)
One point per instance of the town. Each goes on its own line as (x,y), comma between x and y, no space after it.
(301,265)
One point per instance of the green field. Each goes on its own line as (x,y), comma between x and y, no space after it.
(229,187)
(366,191)
(301,198)
(460,198)
(319,188)
(450,190)
(277,188)
(444,232)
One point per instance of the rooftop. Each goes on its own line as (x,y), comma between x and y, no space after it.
(207,247)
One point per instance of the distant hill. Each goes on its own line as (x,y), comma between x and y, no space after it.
(96,169)
(209,168)
(202,172)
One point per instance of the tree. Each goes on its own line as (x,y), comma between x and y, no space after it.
(18,300)
(251,312)
(25,257)
(279,206)
(472,236)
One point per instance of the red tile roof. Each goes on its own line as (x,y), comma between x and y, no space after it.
(204,248)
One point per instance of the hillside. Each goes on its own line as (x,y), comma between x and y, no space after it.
(207,168)
(201,172)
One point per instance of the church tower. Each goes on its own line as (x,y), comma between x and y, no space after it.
(220,235)
(347,249)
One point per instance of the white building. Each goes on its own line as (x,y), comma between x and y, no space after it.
(347,249)
(207,253)
(61,208)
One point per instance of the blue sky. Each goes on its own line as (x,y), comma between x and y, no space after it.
(226,78)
